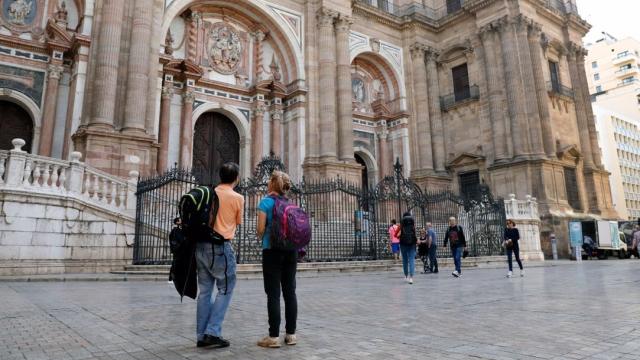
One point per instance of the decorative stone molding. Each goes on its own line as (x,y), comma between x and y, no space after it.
(188,97)
(375,45)
(417,50)
(326,17)
(55,71)
(343,23)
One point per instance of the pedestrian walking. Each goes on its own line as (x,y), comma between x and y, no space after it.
(636,242)
(278,268)
(394,241)
(216,261)
(408,240)
(512,246)
(454,237)
(433,248)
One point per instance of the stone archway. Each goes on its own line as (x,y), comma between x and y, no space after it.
(16,123)
(216,140)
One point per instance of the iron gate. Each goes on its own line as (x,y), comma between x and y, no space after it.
(348,223)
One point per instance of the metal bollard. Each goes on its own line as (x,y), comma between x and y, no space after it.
(554,246)
(578,254)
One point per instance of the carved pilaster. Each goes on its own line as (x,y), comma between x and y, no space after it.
(50,106)
(421,103)
(163,129)
(345,122)
(186,134)
(579,101)
(327,82)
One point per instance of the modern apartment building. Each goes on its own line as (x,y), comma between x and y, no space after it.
(613,70)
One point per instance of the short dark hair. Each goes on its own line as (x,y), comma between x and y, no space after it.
(229,172)
(393,221)
(176,221)
(407,213)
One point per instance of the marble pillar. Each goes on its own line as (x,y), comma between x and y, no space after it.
(494,85)
(107,60)
(257,131)
(383,152)
(49,112)
(135,110)
(327,70)
(579,100)
(421,104)
(186,130)
(192,36)
(276,131)
(163,130)
(528,82)
(515,92)
(435,113)
(537,61)
(345,105)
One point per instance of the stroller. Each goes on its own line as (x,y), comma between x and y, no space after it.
(423,254)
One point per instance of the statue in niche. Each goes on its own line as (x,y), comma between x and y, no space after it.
(225,49)
(168,43)
(20,10)
(357,88)
(61,15)
(275,69)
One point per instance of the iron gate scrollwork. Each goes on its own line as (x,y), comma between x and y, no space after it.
(349,223)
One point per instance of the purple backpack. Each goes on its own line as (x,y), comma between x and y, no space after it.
(290,227)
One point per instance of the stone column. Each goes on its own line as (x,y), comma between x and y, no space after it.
(515,92)
(579,100)
(135,110)
(345,104)
(526,69)
(383,146)
(435,113)
(537,61)
(107,59)
(591,121)
(421,104)
(259,38)
(257,134)
(192,37)
(276,129)
(495,86)
(49,112)
(186,132)
(163,131)
(327,71)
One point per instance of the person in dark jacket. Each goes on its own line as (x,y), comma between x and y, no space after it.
(408,241)
(511,244)
(433,249)
(455,238)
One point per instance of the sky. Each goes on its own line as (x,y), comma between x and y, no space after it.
(620,18)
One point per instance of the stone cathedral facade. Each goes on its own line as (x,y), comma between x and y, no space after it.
(461,92)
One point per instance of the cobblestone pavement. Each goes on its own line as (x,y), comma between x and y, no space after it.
(580,311)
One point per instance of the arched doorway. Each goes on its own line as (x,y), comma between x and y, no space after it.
(365,172)
(15,123)
(215,142)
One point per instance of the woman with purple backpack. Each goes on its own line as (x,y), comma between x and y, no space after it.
(278,268)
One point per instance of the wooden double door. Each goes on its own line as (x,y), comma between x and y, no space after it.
(215,142)
(15,122)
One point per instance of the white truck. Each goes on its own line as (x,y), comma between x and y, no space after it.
(609,240)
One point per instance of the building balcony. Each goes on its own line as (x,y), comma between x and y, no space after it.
(627,72)
(624,57)
(633,81)
(448,102)
(560,90)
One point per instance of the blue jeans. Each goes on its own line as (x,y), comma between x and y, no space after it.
(220,271)
(433,259)
(457,258)
(408,259)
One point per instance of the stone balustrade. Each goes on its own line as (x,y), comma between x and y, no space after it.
(525,214)
(20,171)
(61,216)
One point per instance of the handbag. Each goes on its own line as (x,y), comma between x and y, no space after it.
(508,244)
(465,253)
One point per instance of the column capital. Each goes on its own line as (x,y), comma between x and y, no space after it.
(343,23)
(55,71)
(535,30)
(431,53)
(259,110)
(167,92)
(521,22)
(195,16)
(326,17)
(276,114)
(486,32)
(417,50)
(501,24)
(573,51)
(188,97)
(259,35)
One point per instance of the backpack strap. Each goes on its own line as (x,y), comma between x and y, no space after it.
(216,206)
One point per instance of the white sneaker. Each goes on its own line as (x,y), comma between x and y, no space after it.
(410,281)
(290,339)
(455,273)
(509,274)
(522,273)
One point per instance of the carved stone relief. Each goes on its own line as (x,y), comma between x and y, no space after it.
(224,48)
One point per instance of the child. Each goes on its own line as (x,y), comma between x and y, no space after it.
(423,249)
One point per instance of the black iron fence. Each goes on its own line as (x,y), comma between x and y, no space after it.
(348,223)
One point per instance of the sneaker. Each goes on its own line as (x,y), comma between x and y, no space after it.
(522,273)
(290,339)
(269,342)
(509,274)
(455,274)
(214,342)
(410,281)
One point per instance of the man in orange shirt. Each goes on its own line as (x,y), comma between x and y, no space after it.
(217,262)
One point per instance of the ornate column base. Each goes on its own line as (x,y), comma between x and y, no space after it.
(432,180)
(116,153)
(598,192)
(329,170)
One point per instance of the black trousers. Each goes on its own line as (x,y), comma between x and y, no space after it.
(514,251)
(279,271)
